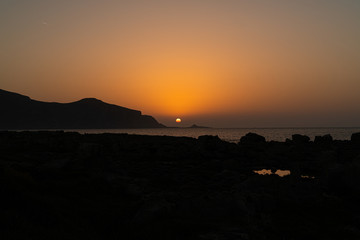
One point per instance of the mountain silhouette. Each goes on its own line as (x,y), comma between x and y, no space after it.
(21,112)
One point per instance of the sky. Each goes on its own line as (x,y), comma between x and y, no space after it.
(228,63)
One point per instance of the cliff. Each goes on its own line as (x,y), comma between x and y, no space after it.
(21,112)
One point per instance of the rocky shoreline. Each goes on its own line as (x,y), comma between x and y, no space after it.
(63,185)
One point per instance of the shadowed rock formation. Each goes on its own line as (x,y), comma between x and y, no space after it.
(252,138)
(66,185)
(300,139)
(21,112)
(326,139)
(355,137)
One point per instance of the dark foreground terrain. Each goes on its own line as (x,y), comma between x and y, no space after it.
(56,185)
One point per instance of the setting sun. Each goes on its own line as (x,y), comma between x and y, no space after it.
(178,120)
(218,63)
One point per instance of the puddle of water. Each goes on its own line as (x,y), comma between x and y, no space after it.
(263,172)
(308,177)
(280,173)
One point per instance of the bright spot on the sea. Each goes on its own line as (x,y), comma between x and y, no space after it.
(178,120)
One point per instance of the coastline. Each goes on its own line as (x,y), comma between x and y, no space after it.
(107,186)
(227,134)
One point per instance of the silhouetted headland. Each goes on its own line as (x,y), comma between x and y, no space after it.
(21,112)
(65,185)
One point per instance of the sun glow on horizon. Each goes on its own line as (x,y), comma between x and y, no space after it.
(195,59)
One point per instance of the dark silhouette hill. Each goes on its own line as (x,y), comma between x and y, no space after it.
(21,112)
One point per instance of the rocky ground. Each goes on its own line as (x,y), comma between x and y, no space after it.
(57,185)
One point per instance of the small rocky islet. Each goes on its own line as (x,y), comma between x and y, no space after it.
(66,185)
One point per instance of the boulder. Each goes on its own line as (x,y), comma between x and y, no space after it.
(252,138)
(210,143)
(326,139)
(355,137)
(87,150)
(300,139)
(209,138)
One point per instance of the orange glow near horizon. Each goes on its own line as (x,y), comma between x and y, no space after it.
(187,58)
(182,85)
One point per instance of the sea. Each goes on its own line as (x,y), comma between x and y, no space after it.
(232,134)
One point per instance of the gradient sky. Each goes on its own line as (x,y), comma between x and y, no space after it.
(228,63)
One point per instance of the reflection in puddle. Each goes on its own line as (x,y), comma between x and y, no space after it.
(280,173)
(308,177)
(263,172)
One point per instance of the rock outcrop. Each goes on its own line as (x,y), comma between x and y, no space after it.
(252,138)
(118,186)
(21,112)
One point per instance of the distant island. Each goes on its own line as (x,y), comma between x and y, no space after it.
(22,112)
(192,126)
(196,126)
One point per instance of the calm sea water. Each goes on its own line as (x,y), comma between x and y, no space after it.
(234,134)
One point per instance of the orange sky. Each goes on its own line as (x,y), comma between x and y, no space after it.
(219,63)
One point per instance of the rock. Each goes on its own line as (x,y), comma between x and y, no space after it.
(231,164)
(252,138)
(89,149)
(210,143)
(152,211)
(326,139)
(344,180)
(56,164)
(209,138)
(355,137)
(158,187)
(300,139)
(326,159)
